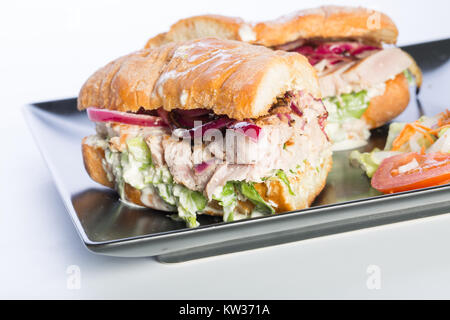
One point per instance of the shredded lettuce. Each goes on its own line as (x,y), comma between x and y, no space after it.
(158,175)
(365,161)
(370,161)
(165,191)
(227,198)
(162,179)
(139,171)
(136,162)
(132,171)
(228,195)
(344,126)
(139,149)
(442,132)
(415,143)
(247,189)
(112,159)
(135,167)
(348,105)
(189,203)
(283,177)
(443,143)
(417,140)
(394,130)
(409,77)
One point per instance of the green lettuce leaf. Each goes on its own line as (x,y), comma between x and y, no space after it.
(282,176)
(409,77)
(165,191)
(136,162)
(442,132)
(189,203)
(348,105)
(394,130)
(227,198)
(370,161)
(139,149)
(365,161)
(247,189)
(158,175)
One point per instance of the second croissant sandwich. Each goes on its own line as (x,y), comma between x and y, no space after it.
(208,126)
(363,84)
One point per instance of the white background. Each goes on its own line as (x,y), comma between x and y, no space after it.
(49,48)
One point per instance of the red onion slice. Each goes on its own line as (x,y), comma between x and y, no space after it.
(362,49)
(199,168)
(335,48)
(321,121)
(296,109)
(218,124)
(333,51)
(104,115)
(248,129)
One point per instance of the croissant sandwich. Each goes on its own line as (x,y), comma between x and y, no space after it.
(364,85)
(208,126)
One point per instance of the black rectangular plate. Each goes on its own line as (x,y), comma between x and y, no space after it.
(107,226)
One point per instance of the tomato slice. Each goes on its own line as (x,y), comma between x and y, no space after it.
(411,171)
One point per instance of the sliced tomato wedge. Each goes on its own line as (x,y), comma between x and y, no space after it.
(409,171)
